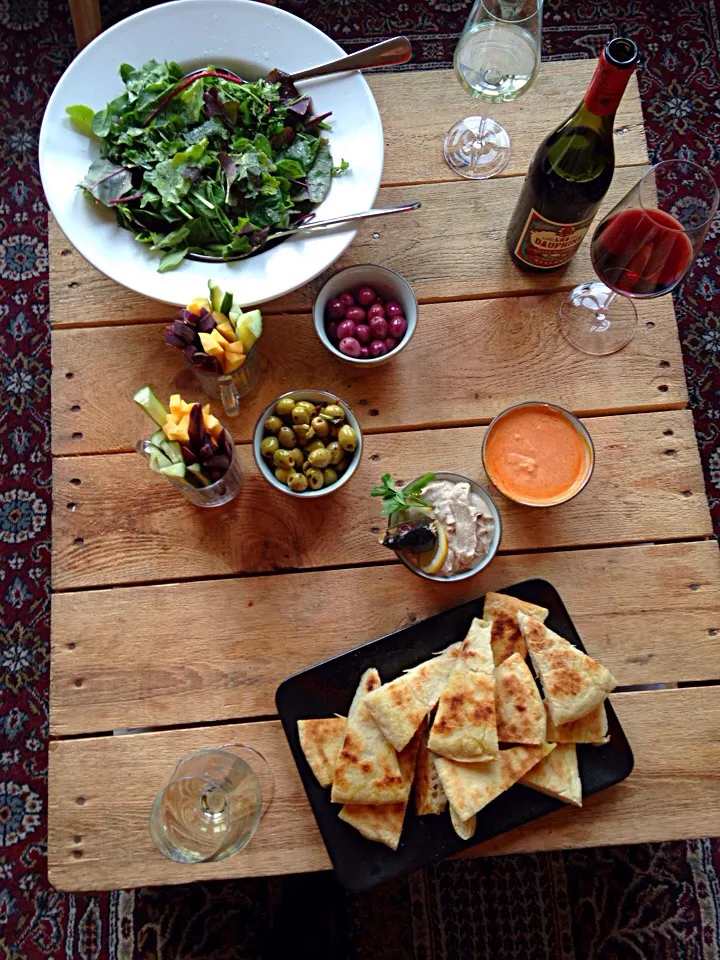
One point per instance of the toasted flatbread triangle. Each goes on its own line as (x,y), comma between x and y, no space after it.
(465,829)
(471,786)
(399,707)
(557,775)
(592,728)
(321,741)
(465,727)
(506,637)
(573,683)
(429,794)
(519,707)
(384,822)
(367,769)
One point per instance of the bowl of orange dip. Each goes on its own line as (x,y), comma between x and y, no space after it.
(538,454)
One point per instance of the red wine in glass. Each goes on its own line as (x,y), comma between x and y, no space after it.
(641,253)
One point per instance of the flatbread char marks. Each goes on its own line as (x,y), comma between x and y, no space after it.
(506,637)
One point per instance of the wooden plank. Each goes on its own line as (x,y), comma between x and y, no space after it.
(123,524)
(418,108)
(452,249)
(516,341)
(101,791)
(649,613)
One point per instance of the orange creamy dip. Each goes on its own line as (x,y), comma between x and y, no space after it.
(536,455)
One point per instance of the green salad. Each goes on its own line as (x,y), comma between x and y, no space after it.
(206,164)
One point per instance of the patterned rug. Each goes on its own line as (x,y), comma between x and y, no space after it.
(660,902)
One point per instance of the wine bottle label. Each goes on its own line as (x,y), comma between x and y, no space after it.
(546,244)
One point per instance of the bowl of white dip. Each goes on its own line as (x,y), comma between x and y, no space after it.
(471,521)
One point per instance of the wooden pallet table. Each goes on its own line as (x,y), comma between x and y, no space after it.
(172,626)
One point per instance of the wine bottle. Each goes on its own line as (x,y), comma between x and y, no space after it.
(572,170)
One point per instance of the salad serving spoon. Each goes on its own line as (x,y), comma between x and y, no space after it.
(305,227)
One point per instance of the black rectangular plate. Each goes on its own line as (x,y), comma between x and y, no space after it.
(328,688)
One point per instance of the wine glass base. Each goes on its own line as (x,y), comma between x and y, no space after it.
(477,148)
(591,327)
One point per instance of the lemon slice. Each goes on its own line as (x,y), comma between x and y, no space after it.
(432,560)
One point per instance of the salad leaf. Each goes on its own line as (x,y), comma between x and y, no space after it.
(82,117)
(395,499)
(208,163)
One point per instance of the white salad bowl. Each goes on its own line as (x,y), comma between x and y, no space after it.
(250,38)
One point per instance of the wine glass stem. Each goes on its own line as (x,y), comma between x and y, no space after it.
(600,313)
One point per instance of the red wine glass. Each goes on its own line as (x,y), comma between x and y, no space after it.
(643,248)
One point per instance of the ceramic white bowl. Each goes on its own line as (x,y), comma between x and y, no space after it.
(389,284)
(482,562)
(250,38)
(314,396)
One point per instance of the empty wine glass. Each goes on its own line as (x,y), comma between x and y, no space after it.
(212,804)
(641,249)
(496,59)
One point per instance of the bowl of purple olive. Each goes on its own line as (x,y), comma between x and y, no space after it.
(366,314)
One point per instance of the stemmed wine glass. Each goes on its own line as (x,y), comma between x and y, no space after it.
(643,248)
(496,59)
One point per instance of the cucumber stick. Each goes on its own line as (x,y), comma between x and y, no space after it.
(146,399)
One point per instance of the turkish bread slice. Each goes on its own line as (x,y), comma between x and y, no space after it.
(557,775)
(465,728)
(519,707)
(573,683)
(506,637)
(465,829)
(429,794)
(592,728)
(321,741)
(399,707)
(384,822)
(367,769)
(471,786)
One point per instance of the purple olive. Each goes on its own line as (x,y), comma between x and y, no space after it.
(393,309)
(346,329)
(390,343)
(397,327)
(331,328)
(379,328)
(378,348)
(364,353)
(350,347)
(347,300)
(356,314)
(363,333)
(365,296)
(376,310)
(335,309)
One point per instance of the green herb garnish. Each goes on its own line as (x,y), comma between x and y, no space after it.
(395,500)
(206,164)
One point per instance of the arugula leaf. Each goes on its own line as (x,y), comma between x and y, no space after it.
(170,239)
(107,182)
(395,500)
(82,118)
(172,259)
(339,171)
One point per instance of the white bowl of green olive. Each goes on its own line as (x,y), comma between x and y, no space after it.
(307,443)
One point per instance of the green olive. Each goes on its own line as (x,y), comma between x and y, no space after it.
(282,474)
(309,406)
(329,476)
(304,433)
(334,411)
(342,465)
(315,479)
(286,436)
(315,445)
(300,414)
(307,466)
(273,424)
(347,438)
(320,458)
(269,446)
(321,426)
(283,458)
(297,482)
(335,451)
(298,457)
(284,407)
